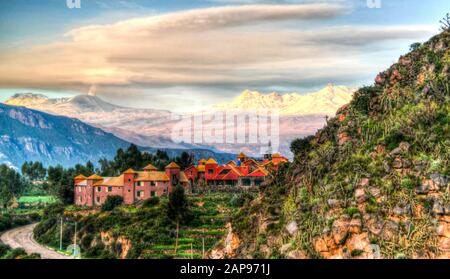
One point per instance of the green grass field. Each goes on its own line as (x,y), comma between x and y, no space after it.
(36,199)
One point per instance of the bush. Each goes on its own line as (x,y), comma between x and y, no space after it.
(4,249)
(151,202)
(112,202)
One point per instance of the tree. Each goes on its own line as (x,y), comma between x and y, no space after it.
(11,185)
(34,170)
(178,209)
(185,160)
(301,146)
(445,23)
(112,202)
(415,46)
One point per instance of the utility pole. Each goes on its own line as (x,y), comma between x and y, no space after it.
(75,240)
(203,244)
(60,234)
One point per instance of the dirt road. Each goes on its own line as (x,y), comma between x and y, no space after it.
(22,237)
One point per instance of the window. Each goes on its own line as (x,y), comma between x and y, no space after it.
(153,183)
(129,179)
(174,179)
(109,189)
(80,199)
(140,183)
(79,189)
(210,171)
(225,171)
(99,189)
(153,194)
(140,194)
(97,199)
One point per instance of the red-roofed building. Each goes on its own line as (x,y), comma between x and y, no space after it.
(243,172)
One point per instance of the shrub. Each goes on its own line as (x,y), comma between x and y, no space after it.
(151,202)
(351,211)
(112,202)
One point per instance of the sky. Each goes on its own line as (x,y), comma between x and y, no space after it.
(185,55)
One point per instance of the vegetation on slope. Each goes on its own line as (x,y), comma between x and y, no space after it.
(373,183)
(142,231)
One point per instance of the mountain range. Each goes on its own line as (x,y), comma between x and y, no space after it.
(323,102)
(300,115)
(31,135)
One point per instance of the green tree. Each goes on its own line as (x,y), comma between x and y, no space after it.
(112,202)
(185,160)
(11,185)
(178,209)
(34,170)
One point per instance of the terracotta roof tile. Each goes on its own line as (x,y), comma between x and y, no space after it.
(94,177)
(211,161)
(129,171)
(172,165)
(152,176)
(150,167)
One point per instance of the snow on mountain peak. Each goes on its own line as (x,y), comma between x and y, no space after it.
(325,101)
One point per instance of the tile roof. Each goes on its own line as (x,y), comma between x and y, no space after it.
(201,168)
(80,177)
(172,165)
(152,176)
(150,167)
(95,177)
(116,181)
(211,161)
(129,171)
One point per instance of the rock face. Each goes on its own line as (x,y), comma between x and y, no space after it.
(374,182)
(28,135)
(227,249)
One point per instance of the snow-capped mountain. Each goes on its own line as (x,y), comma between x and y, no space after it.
(324,102)
(300,115)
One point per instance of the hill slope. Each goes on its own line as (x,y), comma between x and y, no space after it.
(374,183)
(29,135)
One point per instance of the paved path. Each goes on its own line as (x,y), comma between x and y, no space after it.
(22,237)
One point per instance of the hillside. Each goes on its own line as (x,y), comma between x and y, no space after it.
(143,231)
(374,183)
(30,135)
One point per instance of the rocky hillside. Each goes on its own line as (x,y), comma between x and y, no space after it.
(373,183)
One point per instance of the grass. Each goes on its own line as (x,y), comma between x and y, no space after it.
(36,199)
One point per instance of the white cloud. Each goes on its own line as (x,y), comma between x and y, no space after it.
(225,46)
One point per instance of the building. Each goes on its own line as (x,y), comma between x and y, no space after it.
(132,185)
(242,172)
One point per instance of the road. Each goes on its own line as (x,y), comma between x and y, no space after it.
(22,237)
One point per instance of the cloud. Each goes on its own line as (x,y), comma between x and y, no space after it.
(249,46)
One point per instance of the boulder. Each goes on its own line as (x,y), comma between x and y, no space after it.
(355,225)
(443,230)
(375,192)
(397,164)
(441,181)
(292,228)
(333,203)
(360,195)
(340,229)
(438,207)
(390,230)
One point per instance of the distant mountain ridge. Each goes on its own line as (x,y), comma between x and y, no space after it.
(31,135)
(300,115)
(323,102)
